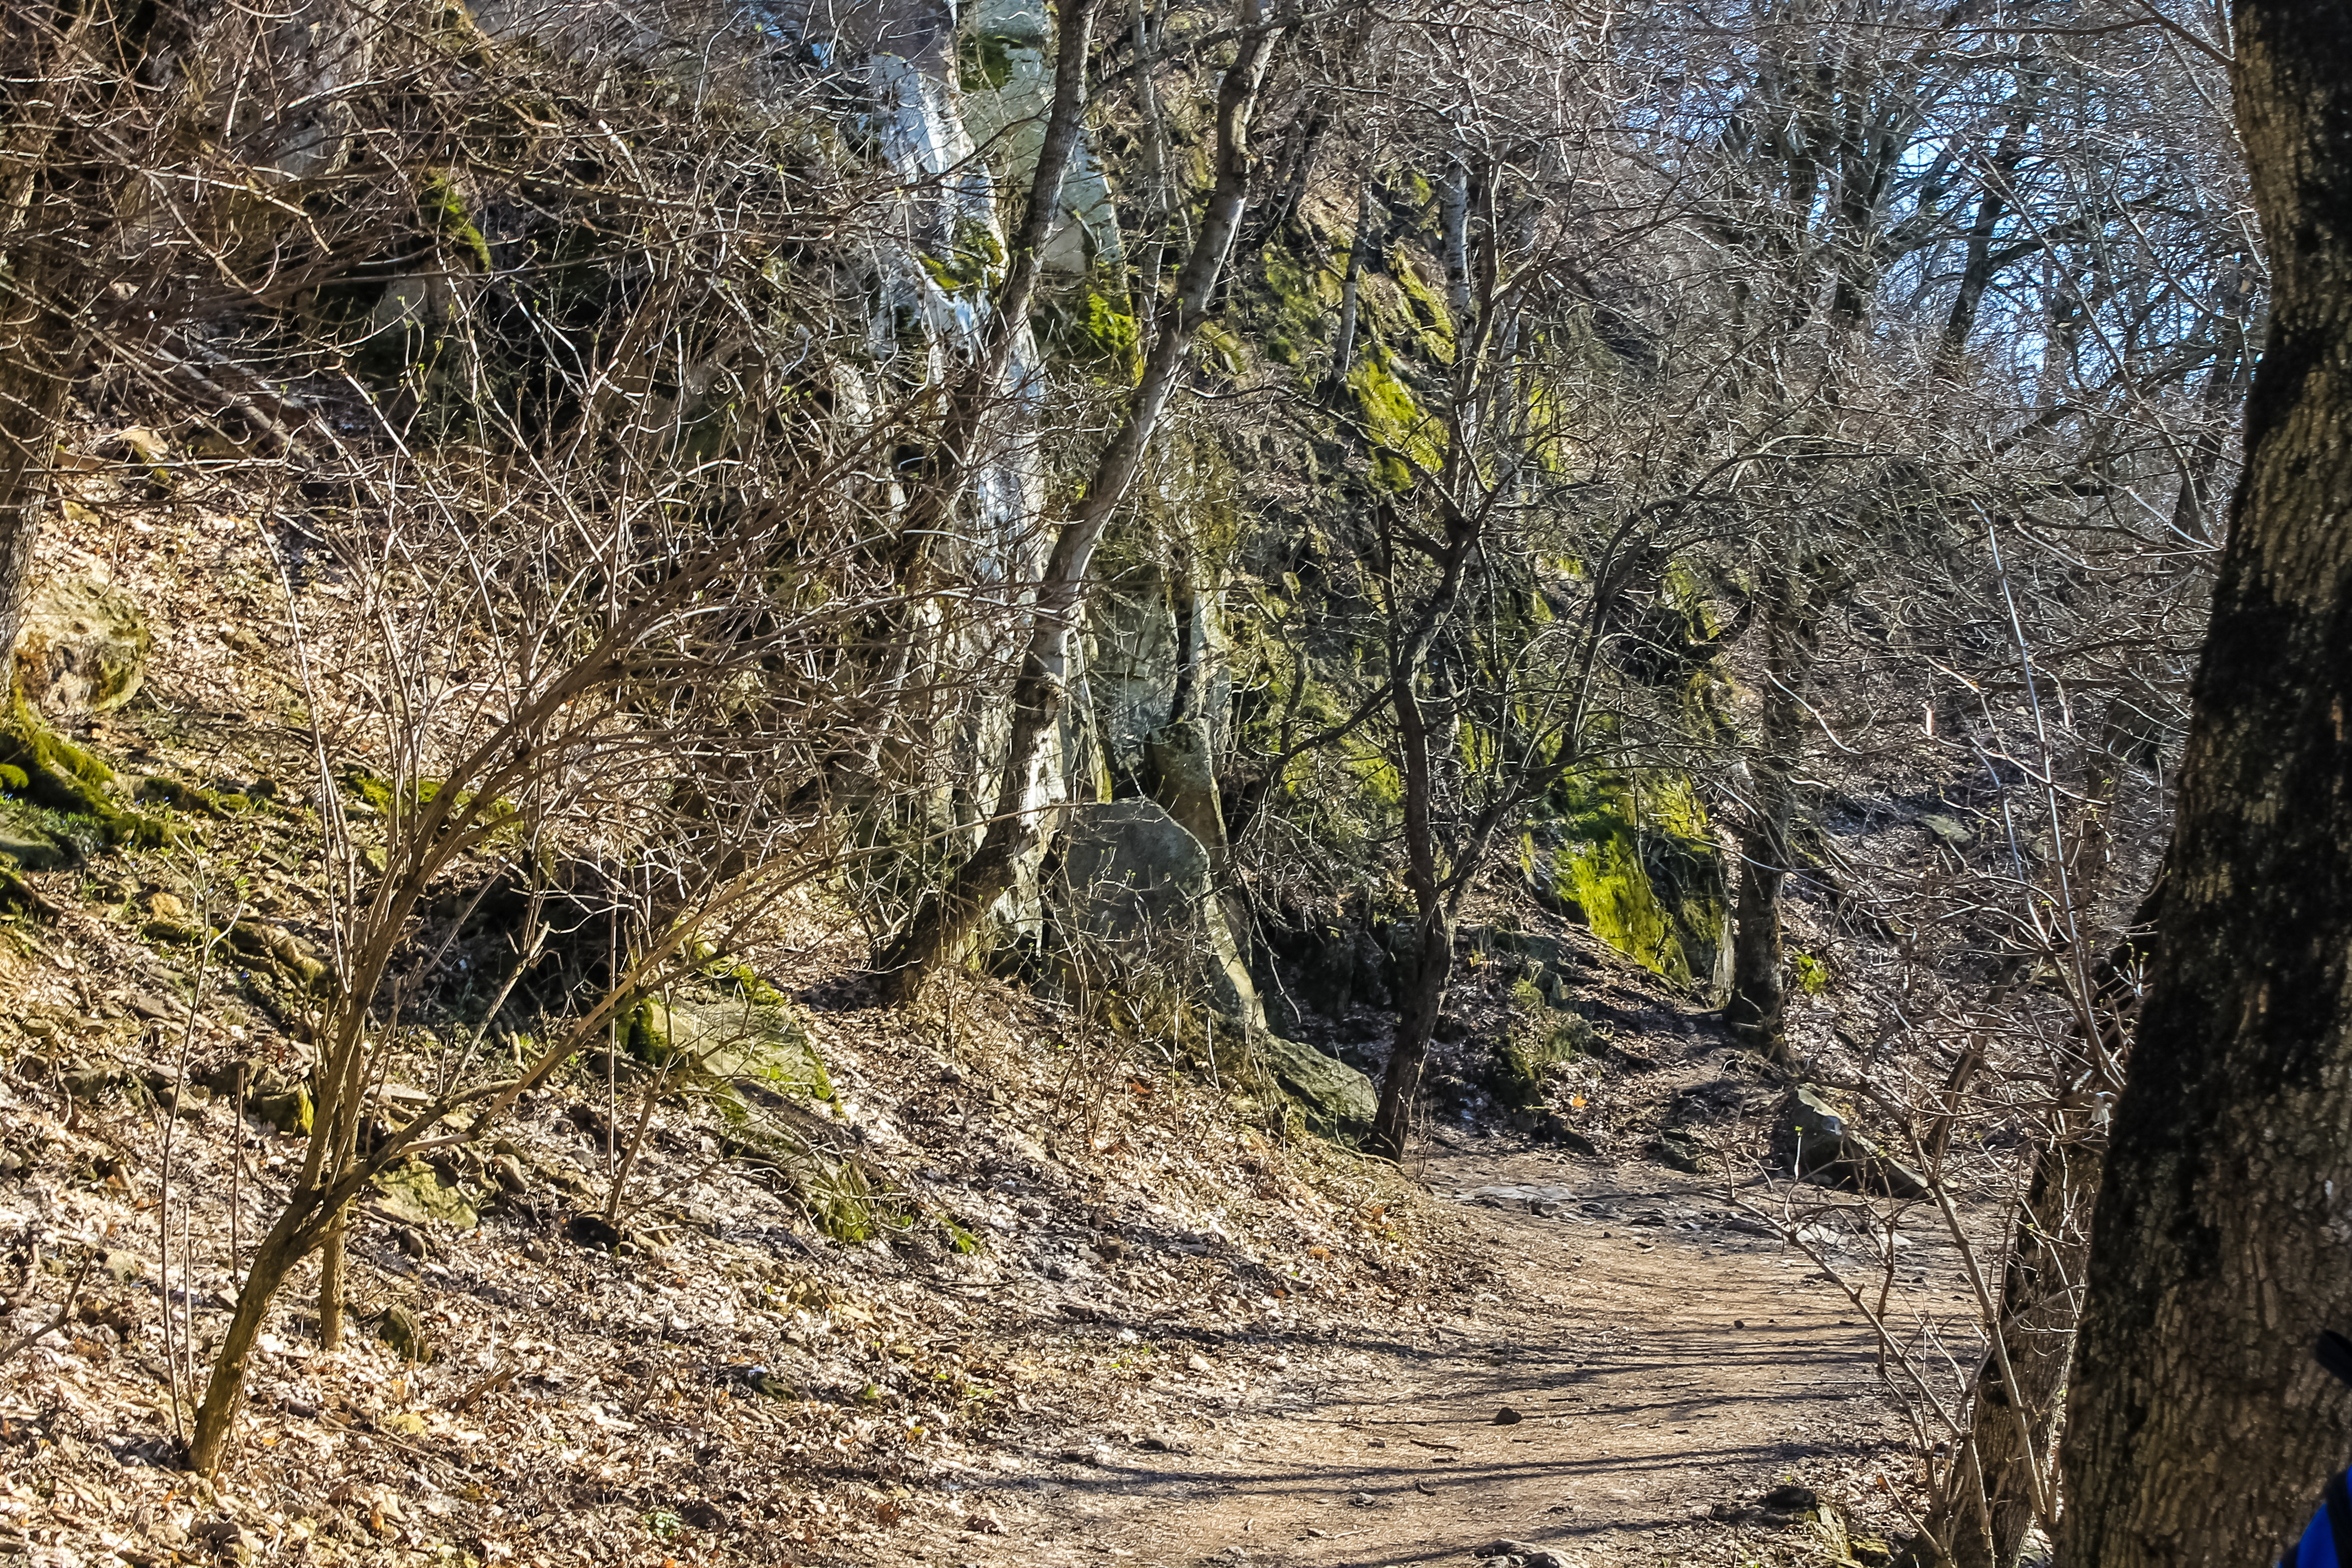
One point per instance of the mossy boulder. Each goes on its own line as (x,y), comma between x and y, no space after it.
(1126,865)
(733,1037)
(1336,1097)
(83,648)
(415,1192)
(1637,866)
(399,1328)
(1811,1136)
(28,845)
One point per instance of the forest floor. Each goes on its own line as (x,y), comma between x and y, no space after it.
(1637,1382)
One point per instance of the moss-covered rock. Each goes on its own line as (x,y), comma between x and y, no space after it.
(28,846)
(414,1192)
(1631,860)
(1336,1097)
(1392,421)
(399,1328)
(731,1038)
(83,648)
(44,769)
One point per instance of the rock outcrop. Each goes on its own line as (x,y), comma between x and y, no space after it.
(1128,865)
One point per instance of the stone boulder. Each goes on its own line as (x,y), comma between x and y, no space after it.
(26,844)
(1177,758)
(1811,1136)
(733,1037)
(1334,1093)
(82,650)
(1128,865)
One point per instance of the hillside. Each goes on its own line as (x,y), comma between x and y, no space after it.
(1201,781)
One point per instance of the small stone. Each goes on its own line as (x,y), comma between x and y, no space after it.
(1507,1416)
(154,1008)
(507,1171)
(535,1252)
(1363,1499)
(166,906)
(410,1242)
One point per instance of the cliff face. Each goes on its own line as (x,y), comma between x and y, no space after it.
(688,262)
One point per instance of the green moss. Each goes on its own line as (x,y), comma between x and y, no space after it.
(1307,293)
(973,261)
(1633,859)
(1391,421)
(1536,1043)
(1379,782)
(1093,325)
(1220,345)
(443,207)
(181,796)
(1434,326)
(1812,975)
(985,64)
(62,777)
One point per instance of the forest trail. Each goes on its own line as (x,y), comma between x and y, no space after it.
(1668,1368)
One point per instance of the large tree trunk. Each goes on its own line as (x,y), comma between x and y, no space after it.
(1431,964)
(2200,1432)
(41,342)
(1759,966)
(943,924)
(32,401)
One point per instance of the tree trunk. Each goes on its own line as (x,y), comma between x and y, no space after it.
(1343,351)
(1423,1004)
(1990,1502)
(942,925)
(41,342)
(1432,956)
(32,401)
(2200,1431)
(330,1282)
(1758,967)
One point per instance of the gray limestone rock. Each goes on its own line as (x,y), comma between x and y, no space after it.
(1811,1136)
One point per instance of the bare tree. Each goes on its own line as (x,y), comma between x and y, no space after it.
(942,923)
(2215,1263)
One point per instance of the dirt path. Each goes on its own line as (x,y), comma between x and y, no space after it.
(1668,1368)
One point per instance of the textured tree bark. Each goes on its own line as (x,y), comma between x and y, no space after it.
(330,1282)
(2199,1430)
(1758,967)
(1433,956)
(40,343)
(1991,1501)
